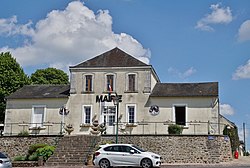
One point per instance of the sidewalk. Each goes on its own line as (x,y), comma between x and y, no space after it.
(241,161)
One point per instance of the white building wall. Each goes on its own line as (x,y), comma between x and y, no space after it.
(18,116)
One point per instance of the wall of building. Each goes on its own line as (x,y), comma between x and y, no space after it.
(79,98)
(173,149)
(19,115)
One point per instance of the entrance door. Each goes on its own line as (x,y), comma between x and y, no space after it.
(109,118)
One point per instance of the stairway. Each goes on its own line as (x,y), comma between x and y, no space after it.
(73,150)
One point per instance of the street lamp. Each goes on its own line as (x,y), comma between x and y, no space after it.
(116,103)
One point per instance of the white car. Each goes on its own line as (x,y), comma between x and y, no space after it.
(125,155)
(5,161)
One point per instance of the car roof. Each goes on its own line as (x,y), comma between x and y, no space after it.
(104,145)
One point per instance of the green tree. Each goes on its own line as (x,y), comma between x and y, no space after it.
(12,77)
(49,76)
(232,133)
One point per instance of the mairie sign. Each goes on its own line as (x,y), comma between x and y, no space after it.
(107,98)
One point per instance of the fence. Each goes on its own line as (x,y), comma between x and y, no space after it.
(45,128)
(143,127)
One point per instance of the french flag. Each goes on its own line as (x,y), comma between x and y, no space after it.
(110,88)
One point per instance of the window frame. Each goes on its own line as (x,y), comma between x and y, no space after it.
(113,87)
(186,113)
(85,83)
(84,114)
(128,115)
(33,115)
(135,82)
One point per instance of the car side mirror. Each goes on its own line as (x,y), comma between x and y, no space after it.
(132,151)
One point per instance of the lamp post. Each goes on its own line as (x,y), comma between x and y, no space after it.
(116,103)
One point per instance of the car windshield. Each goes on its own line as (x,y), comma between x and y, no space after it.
(2,155)
(138,148)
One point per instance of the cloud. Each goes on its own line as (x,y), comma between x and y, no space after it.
(226,109)
(242,72)
(182,75)
(244,31)
(9,27)
(66,37)
(219,15)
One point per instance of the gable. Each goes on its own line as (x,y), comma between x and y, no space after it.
(113,58)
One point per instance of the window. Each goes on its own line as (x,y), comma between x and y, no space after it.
(180,115)
(86,114)
(131,114)
(109,114)
(88,83)
(38,116)
(110,82)
(131,82)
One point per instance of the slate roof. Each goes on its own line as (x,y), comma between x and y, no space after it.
(185,89)
(41,91)
(113,58)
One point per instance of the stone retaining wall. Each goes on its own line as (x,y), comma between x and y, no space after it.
(173,149)
(183,148)
(18,146)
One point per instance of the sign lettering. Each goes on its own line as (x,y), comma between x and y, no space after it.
(107,98)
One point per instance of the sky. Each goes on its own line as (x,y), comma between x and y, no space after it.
(185,41)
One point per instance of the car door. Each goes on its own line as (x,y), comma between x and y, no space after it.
(114,155)
(130,158)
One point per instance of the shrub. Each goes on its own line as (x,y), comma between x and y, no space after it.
(19,158)
(34,147)
(175,129)
(45,152)
(33,157)
(23,133)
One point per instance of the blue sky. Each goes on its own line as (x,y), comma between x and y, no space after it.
(185,41)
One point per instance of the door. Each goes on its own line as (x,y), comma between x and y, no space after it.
(109,118)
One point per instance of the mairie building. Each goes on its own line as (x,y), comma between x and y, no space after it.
(115,92)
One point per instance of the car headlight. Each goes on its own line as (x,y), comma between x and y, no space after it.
(155,157)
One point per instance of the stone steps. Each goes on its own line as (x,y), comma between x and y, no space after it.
(73,150)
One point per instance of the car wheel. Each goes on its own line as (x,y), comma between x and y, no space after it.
(146,163)
(104,163)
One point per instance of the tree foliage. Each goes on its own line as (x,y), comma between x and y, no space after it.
(232,133)
(49,76)
(12,77)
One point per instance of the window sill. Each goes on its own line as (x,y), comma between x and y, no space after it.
(37,128)
(85,125)
(131,125)
(86,92)
(136,91)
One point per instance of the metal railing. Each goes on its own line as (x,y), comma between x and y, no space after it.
(45,128)
(154,128)
(142,127)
